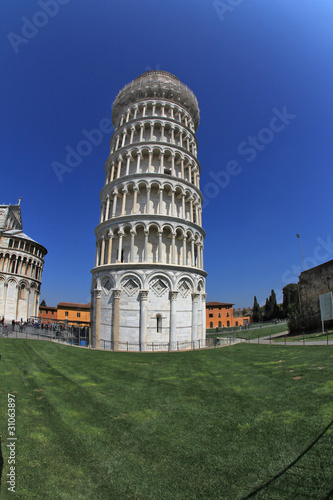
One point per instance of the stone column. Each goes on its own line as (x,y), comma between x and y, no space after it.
(135,197)
(110,248)
(112,172)
(124,139)
(173,164)
(17,303)
(116,319)
(142,127)
(97,253)
(120,245)
(146,247)
(184,251)
(183,206)
(191,208)
(172,134)
(173,320)
(149,161)
(195,307)
(173,249)
(138,162)
(162,163)
(132,134)
(173,202)
(148,200)
(102,213)
(160,233)
(120,159)
(192,253)
(128,156)
(160,204)
(143,318)
(114,205)
(132,231)
(123,202)
(98,295)
(102,251)
(107,207)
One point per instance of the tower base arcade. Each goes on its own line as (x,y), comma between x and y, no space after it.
(148,309)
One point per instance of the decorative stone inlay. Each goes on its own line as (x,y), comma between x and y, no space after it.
(130,285)
(144,294)
(159,286)
(184,288)
(107,285)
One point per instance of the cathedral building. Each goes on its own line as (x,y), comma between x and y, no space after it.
(148,283)
(21,267)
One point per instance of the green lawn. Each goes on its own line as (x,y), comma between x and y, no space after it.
(212,424)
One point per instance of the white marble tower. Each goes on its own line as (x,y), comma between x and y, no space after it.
(148,283)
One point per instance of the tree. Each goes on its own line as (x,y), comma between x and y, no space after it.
(290,299)
(43,303)
(271,308)
(256,312)
(305,321)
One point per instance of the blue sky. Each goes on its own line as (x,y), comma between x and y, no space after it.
(263,76)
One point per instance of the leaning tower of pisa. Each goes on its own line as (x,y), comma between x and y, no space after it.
(148,283)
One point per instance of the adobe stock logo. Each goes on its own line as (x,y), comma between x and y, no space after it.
(249,149)
(93,138)
(29,30)
(322,252)
(227,6)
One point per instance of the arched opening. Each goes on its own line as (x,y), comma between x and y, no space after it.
(158,323)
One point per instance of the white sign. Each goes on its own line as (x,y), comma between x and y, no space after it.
(326,306)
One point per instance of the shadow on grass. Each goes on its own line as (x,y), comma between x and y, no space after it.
(283,471)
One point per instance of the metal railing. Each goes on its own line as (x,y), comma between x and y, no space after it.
(166,346)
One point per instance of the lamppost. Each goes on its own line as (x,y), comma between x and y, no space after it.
(299,239)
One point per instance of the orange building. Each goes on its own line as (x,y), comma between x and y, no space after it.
(73,314)
(47,314)
(220,315)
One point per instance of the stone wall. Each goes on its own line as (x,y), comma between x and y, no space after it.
(315,282)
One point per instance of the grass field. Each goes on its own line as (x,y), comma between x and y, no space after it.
(212,424)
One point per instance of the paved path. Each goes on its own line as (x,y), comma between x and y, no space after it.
(283,336)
